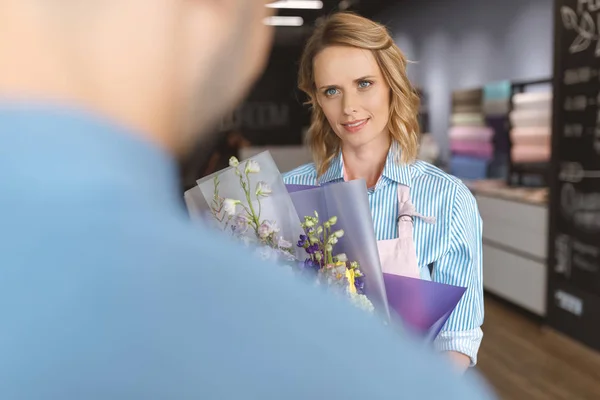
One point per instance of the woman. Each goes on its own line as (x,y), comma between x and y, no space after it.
(365,126)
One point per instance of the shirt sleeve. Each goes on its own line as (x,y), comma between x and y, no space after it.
(461,265)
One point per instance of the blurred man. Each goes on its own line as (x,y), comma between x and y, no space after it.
(106,289)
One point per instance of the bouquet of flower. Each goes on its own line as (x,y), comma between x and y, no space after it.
(249,202)
(334,271)
(422,306)
(239,217)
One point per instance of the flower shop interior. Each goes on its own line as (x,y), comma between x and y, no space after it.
(510,97)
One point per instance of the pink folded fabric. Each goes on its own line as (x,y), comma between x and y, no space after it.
(471,133)
(525,153)
(478,149)
(533,136)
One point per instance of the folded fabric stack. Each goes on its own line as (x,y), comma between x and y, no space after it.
(470,139)
(496,106)
(531,132)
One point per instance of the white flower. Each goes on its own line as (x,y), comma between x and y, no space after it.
(241,223)
(263,189)
(274,226)
(233,162)
(266,229)
(361,301)
(338,234)
(229,206)
(252,167)
(284,244)
(341,257)
(332,220)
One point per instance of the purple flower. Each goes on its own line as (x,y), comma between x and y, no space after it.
(359,283)
(312,249)
(302,241)
(310,266)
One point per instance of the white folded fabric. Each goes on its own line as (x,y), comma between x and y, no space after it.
(531,118)
(532,101)
(496,107)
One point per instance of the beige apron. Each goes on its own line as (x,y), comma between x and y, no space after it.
(399,256)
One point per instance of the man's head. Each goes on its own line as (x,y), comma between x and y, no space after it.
(166,68)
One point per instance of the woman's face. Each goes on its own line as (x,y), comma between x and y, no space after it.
(353,94)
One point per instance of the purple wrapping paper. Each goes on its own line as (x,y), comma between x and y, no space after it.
(423,306)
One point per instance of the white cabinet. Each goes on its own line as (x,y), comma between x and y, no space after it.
(515,238)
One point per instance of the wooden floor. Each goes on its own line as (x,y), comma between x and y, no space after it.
(524,361)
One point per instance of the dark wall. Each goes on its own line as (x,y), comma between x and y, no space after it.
(273,113)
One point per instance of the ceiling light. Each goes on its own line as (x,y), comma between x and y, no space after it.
(284,21)
(297,4)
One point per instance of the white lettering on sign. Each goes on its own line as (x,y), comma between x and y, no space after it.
(573,130)
(257,116)
(577,75)
(562,253)
(569,303)
(583,24)
(588,5)
(583,209)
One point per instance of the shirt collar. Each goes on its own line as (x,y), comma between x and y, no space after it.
(393,170)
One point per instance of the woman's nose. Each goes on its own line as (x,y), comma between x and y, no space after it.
(349,106)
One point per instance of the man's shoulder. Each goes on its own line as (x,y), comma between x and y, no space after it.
(303,175)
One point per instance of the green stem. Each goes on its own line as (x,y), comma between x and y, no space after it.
(259,207)
(326,241)
(248,198)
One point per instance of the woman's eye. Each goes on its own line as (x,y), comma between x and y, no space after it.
(330,92)
(364,84)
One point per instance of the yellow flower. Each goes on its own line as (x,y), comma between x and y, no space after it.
(350,277)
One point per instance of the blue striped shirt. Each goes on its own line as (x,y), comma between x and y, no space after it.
(452,246)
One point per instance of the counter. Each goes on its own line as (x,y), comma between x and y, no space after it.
(515,235)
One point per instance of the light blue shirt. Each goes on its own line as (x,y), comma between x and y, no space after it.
(452,246)
(108,291)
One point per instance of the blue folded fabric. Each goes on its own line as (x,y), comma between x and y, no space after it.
(497,90)
(465,167)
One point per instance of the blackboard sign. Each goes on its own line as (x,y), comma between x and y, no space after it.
(574,240)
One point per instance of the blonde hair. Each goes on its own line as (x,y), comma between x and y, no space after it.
(348,29)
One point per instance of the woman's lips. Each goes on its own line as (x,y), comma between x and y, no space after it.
(355,126)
